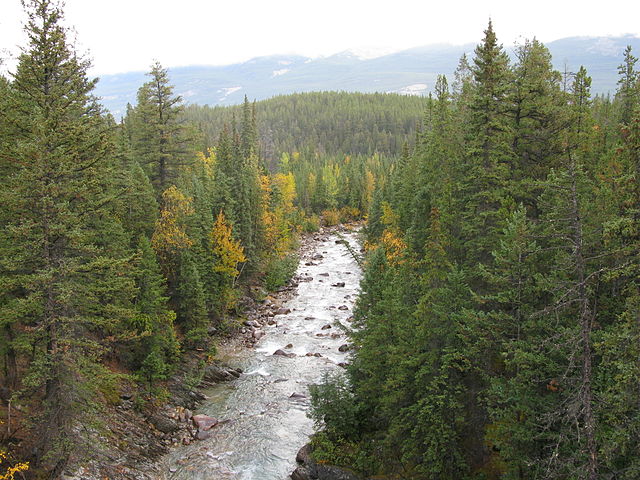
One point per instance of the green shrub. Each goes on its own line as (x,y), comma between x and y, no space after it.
(279,272)
(311,224)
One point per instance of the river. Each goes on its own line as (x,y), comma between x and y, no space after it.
(267,406)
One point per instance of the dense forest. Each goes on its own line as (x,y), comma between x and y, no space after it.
(498,328)
(497,333)
(331,123)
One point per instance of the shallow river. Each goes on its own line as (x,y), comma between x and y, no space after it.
(267,426)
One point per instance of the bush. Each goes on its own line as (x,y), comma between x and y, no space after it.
(311,224)
(331,217)
(279,272)
(334,406)
(349,214)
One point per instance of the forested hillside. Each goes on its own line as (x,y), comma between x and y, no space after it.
(498,329)
(324,122)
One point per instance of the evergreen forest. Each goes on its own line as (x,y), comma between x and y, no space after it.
(497,332)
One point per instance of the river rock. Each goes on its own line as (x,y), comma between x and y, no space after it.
(163,424)
(282,353)
(310,470)
(325,274)
(344,348)
(301,473)
(343,307)
(304,454)
(297,395)
(289,345)
(326,327)
(203,435)
(317,256)
(216,373)
(258,334)
(338,284)
(283,311)
(204,422)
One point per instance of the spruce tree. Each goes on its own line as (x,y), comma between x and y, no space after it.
(67,286)
(160,139)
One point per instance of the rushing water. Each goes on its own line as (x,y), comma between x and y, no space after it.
(267,426)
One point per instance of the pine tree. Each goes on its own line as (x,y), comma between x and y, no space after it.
(628,86)
(160,140)
(489,160)
(66,283)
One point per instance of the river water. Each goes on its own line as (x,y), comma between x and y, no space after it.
(267,425)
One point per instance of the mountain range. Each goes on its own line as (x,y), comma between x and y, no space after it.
(410,72)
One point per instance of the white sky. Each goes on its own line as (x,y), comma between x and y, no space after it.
(126,35)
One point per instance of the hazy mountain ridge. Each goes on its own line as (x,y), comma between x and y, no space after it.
(410,71)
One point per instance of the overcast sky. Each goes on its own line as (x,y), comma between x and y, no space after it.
(126,35)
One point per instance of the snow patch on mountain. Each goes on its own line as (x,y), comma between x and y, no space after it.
(606,46)
(227,91)
(277,73)
(415,89)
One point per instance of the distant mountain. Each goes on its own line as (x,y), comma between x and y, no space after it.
(411,72)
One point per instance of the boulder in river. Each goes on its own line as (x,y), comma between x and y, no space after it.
(338,284)
(203,435)
(344,348)
(258,334)
(343,307)
(204,422)
(326,327)
(283,311)
(282,353)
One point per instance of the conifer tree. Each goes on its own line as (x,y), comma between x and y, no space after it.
(68,286)
(489,160)
(160,140)
(628,86)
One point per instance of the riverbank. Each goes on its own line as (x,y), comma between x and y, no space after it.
(134,445)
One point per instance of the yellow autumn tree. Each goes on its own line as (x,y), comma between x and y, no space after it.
(278,193)
(170,234)
(206,161)
(391,239)
(228,252)
(10,471)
